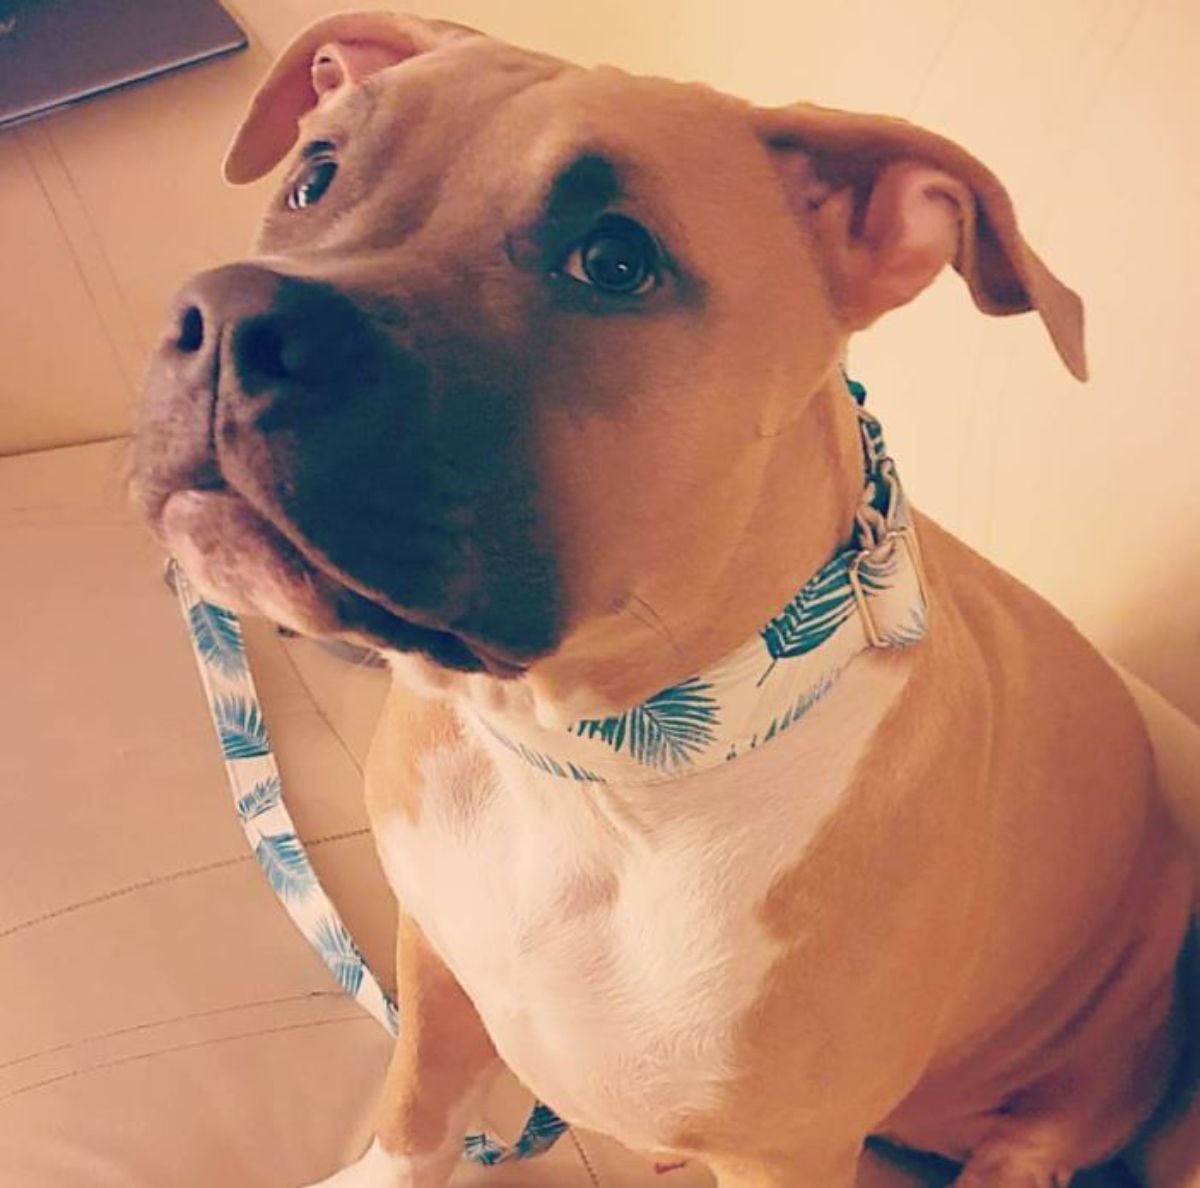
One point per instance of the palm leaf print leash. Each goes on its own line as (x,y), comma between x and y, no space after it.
(220,653)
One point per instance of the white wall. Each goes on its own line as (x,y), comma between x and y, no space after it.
(1088,109)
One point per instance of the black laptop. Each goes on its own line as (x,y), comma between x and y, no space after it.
(57,52)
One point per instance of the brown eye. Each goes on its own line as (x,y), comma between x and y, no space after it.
(618,256)
(309,188)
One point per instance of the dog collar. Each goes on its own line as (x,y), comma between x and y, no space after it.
(869,595)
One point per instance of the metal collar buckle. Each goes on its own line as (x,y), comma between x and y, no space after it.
(904,536)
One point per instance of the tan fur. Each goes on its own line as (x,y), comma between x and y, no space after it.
(978,870)
(1002,271)
(696,462)
(441,1047)
(415,725)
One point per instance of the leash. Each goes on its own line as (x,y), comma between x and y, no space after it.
(233,704)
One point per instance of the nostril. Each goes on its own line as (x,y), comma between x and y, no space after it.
(268,350)
(261,351)
(191,331)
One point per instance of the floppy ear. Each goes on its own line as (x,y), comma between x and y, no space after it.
(335,53)
(890,204)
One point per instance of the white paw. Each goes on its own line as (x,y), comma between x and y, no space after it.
(379,1169)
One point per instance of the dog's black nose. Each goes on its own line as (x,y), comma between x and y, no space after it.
(247,333)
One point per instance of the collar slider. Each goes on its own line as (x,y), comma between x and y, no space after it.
(876,555)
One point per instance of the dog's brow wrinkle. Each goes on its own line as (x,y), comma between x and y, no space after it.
(317,148)
(590,177)
(579,191)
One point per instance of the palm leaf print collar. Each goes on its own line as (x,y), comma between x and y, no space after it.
(870,594)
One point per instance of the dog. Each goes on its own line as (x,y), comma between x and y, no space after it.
(742,811)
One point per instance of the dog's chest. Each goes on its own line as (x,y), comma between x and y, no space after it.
(611,939)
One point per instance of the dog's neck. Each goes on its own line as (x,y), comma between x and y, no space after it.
(730,686)
(675,624)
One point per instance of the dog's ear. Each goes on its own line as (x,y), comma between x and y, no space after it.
(335,53)
(890,204)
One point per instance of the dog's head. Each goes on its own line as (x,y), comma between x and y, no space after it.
(529,357)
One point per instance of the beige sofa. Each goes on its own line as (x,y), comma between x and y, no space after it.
(164,1026)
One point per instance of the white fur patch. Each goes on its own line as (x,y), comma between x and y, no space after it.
(378,1169)
(609,936)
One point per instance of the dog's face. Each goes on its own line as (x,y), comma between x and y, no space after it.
(519,340)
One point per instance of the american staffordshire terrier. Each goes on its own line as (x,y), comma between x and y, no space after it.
(739,810)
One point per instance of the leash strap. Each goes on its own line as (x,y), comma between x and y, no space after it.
(220,653)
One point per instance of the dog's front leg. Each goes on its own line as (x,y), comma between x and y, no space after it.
(442,1064)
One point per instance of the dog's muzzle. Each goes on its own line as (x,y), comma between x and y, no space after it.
(258,459)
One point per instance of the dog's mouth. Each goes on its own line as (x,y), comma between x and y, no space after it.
(237,557)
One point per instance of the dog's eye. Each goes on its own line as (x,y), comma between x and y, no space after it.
(309,188)
(618,256)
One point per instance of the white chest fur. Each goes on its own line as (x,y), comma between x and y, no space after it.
(609,937)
